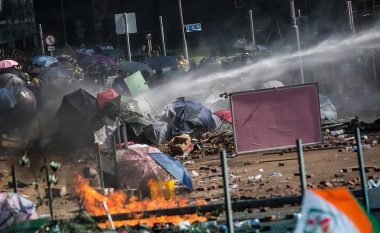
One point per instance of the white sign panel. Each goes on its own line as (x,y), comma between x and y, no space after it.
(120,23)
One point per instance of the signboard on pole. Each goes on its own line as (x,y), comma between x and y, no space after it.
(195,27)
(51,48)
(271,119)
(120,23)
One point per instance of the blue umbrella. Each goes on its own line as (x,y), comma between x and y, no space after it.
(173,167)
(44,60)
(186,116)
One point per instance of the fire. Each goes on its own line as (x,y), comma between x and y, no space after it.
(118,202)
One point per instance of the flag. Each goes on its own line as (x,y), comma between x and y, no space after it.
(334,211)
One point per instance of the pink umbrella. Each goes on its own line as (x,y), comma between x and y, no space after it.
(7,64)
(225,115)
(136,167)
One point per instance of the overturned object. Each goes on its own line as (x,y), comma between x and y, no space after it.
(180,144)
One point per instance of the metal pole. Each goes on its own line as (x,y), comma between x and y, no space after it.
(162,36)
(252,29)
(149,42)
(374,9)
(362,170)
(127,36)
(293,14)
(350,17)
(183,31)
(115,163)
(301,165)
(14,179)
(374,67)
(299,13)
(118,132)
(42,39)
(63,22)
(125,136)
(50,195)
(227,198)
(108,214)
(100,165)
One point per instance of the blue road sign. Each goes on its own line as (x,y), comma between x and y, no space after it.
(195,27)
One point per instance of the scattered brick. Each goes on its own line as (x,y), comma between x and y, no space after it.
(57,191)
(337,175)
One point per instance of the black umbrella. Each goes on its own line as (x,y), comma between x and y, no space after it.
(79,113)
(135,128)
(10,80)
(160,62)
(156,133)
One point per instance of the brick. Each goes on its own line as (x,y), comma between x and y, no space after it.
(57,191)
(337,175)
(204,168)
(214,170)
(200,189)
(351,182)
(281,164)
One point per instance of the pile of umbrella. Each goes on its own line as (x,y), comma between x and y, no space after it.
(17,102)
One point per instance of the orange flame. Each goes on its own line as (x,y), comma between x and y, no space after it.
(117,202)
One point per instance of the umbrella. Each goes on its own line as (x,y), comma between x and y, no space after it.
(98,58)
(7,99)
(136,84)
(58,70)
(133,67)
(173,167)
(160,62)
(27,102)
(135,127)
(136,167)
(272,84)
(156,133)
(106,96)
(43,60)
(224,115)
(129,108)
(188,116)
(10,80)
(7,64)
(15,209)
(78,115)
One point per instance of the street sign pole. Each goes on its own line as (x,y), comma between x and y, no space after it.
(183,31)
(252,29)
(127,36)
(293,14)
(42,39)
(162,36)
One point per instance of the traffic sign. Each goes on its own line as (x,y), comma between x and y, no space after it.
(51,48)
(50,40)
(195,27)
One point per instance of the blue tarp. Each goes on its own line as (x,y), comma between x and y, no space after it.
(174,168)
(7,99)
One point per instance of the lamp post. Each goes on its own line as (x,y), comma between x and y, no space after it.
(63,22)
(162,36)
(295,27)
(252,29)
(183,31)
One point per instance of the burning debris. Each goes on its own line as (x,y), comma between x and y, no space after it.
(119,202)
